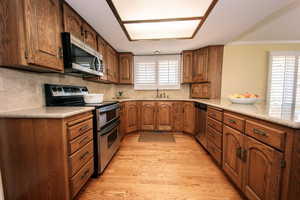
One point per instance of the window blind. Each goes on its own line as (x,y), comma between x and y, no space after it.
(283,84)
(157,72)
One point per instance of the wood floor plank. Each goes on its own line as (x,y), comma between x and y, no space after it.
(160,171)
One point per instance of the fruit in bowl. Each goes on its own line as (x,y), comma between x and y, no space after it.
(246,98)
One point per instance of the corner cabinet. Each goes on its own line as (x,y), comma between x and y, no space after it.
(126,68)
(200,65)
(30,37)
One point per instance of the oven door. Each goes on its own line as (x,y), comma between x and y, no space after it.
(106,115)
(109,142)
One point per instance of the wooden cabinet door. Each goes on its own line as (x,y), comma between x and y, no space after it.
(109,62)
(131,116)
(72,22)
(177,112)
(187,62)
(116,67)
(148,115)
(101,49)
(189,117)
(43,23)
(262,171)
(90,36)
(126,68)
(200,65)
(232,151)
(164,116)
(200,90)
(122,120)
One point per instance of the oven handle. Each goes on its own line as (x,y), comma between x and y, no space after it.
(109,108)
(110,128)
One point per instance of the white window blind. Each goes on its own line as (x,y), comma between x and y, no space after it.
(157,72)
(284,82)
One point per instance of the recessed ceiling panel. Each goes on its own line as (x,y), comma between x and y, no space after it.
(160,9)
(162,30)
(161,19)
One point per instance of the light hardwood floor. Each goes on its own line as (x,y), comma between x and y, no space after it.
(160,171)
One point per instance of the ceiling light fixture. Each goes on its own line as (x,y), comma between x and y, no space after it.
(161,19)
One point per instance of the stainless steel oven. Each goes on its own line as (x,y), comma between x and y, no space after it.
(107,114)
(108,144)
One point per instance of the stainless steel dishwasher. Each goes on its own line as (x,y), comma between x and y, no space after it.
(201,117)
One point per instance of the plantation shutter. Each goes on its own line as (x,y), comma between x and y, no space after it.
(157,72)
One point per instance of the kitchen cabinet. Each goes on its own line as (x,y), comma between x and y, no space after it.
(189,117)
(111,64)
(232,154)
(31,37)
(200,90)
(132,116)
(90,36)
(164,116)
(148,115)
(262,171)
(54,164)
(177,113)
(73,22)
(126,68)
(187,66)
(101,49)
(123,120)
(200,65)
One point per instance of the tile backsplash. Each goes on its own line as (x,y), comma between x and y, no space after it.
(22,89)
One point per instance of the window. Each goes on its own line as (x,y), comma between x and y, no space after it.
(157,72)
(284,83)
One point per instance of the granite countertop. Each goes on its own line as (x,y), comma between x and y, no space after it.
(46,112)
(287,115)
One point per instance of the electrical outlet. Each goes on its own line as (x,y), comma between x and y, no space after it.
(1,84)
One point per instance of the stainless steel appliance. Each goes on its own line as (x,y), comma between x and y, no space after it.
(79,58)
(106,120)
(201,117)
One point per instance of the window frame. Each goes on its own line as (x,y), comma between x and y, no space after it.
(156,86)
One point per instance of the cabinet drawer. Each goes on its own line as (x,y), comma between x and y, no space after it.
(79,129)
(80,141)
(81,177)
(215,152)
(78,159)
(214,136)
(214,124)
(216,114)
(267,134)
(234,121)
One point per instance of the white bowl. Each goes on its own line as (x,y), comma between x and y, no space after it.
(243,100)
(93,98)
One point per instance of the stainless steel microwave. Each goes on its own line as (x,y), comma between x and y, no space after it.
(79,58)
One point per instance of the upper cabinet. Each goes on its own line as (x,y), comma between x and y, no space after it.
(187,62)
(126,68)
(31,35)
(207,72)
(78,27)
(200,65)
(73,22)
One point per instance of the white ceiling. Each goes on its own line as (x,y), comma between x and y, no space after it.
(228,20)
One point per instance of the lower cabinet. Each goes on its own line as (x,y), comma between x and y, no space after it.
(189,117)
(148,115)
(177,113)
(132,116)
(164,116)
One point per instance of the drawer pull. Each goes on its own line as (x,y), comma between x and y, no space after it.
(239,152)
(213,114)
(84,128)
(232,121)
(259,132)
(84,174)
(84,155)
(244,155)
(84,139)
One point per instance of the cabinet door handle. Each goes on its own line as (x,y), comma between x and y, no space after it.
(84,155)
(232,121)
(239,153)
(84,128)
(259,132)
(85,173)
(244,155)
(84,139)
